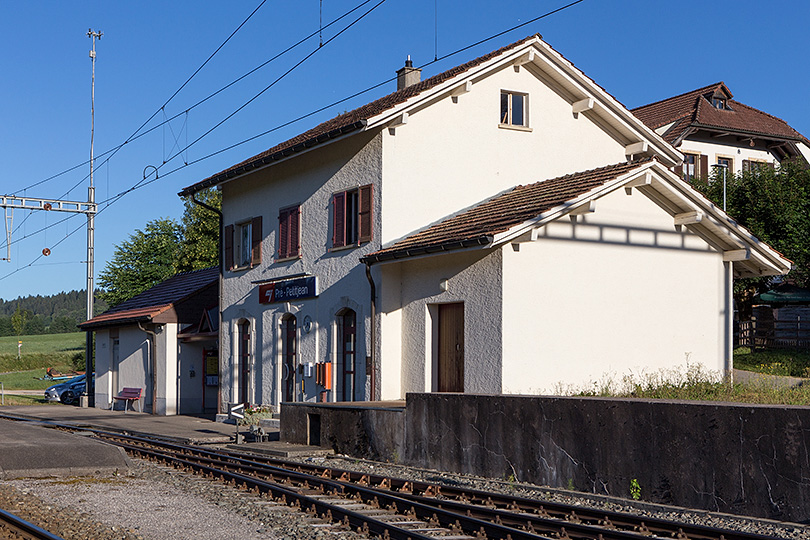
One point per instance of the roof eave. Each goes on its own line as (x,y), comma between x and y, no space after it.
(417,252)
(265,161)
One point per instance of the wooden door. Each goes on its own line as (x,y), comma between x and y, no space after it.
(289,350)
(451,348)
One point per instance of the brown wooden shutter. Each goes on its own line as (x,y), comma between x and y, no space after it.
(295,232)
(256,241)
(339,222)
(704,167)
(228,243)
(283,234)
(678,169)
(364,215)
(771,165)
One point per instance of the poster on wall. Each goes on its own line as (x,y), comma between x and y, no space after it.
(211,367)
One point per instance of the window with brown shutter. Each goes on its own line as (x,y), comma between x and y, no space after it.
(289,227)
(352,215)
(228,244)
(364,205)
(256,241)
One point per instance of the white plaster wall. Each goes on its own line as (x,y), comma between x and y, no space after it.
(103,360)
(133,367)
(167,369)
(621,292)
(738,153)
(452,155)
(309,179)
(190,389)
(391,331)
(474,277)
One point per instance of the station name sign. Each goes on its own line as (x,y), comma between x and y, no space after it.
(288,290)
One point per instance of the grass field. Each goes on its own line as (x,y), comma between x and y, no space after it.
(63,352)
(15,401)
(60,351)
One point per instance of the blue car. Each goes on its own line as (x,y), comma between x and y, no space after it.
(67,392)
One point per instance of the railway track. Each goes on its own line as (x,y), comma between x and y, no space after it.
(13,527)
(402,509)
(393,508)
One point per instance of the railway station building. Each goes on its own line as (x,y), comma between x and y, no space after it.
(506,226)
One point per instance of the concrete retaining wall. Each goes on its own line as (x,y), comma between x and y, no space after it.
(367,432)
(742,459)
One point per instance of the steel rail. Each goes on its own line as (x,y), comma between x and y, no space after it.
(408,491)
(28,530)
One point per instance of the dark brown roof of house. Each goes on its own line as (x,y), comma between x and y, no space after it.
(344,123)
(478,225)
(694,109)
(157,300)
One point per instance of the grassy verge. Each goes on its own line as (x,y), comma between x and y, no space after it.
(27,380)
(16,401)
(694,383)
(773,362)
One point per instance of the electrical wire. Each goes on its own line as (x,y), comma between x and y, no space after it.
(138,133)
(143,183)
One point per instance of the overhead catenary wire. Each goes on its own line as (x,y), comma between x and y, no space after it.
(138,133)
(144,182)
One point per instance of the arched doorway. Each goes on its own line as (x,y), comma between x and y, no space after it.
(243,362)
(289,350)
(347,354)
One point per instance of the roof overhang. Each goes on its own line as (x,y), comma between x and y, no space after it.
(750,257)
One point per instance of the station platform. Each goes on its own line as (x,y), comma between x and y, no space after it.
(179,428)
(28,450)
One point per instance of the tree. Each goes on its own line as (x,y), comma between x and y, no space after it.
(774,204)
(200,246)
(19,320)
(149,256)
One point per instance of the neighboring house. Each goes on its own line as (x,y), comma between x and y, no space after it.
(367,258)
(712,129)
(164,341)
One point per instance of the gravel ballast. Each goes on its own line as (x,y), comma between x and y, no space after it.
(156,502)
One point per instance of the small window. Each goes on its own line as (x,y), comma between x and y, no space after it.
(513,109)
(352,217)
(719,103)
(243,236)
(243,244)
(726,164)
(690,166)
(289,232)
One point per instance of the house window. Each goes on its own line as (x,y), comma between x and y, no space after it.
(726,165)
(347,354)
(513,109)
(755,165)
(690,166)
(243,237)
(352,216)
(289,232)
(719,103)
(243,244)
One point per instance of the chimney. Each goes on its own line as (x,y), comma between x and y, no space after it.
(408,75)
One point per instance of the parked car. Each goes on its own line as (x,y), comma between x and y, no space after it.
(67,392)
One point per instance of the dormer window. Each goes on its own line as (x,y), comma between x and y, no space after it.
(720,103)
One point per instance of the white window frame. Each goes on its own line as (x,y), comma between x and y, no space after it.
(243,244)
(508,120)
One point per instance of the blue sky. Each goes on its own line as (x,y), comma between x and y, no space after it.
(639,51)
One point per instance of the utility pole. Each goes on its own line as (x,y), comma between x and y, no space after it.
(91,198)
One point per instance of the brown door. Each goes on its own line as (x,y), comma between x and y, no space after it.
(244,362)
(451,348)
(289,346)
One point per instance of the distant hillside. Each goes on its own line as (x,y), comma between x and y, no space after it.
(55,314)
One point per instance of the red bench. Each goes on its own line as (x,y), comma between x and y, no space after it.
(129,394)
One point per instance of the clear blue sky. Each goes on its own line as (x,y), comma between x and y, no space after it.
(638,50)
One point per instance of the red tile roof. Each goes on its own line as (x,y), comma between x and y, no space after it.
(157,300)
(345,123)
(694,109)
(478,225)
